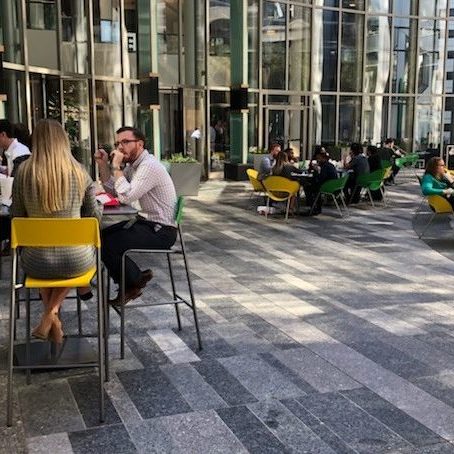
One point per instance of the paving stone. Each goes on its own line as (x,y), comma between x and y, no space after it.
(194,432)
(152,393)
(53,443)
(112,439)
(49,408)
(289,429)
(224,383)
(250,431)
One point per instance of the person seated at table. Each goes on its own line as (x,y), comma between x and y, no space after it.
(373,158)
(52,184)
(267,162)
(391,152)
(358,165)
(291,155)
(14,151)
(284,168)
(324,170)
(136,177)
(437,180)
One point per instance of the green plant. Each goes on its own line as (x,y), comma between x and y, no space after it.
(178,157)
(256,150)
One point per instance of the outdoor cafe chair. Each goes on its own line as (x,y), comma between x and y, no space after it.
(373,181)
(280,189)
(440,206)
(257,186)
(62,232)
(177,299)
(335,189)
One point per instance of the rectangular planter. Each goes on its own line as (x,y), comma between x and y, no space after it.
(186,177)
(236,172)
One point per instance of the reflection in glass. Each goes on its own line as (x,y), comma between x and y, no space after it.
(405,7)
(219,58)
(108,98)
(170,121)
(431,51)
(168,41)
(353,4)
(378,49)
(401,123)
(428,122)
(41,14)
(273,38)
(379,6)
(324,120)
(129,39)
(349,119)
(449,61)
(131,104)
(299,48)
(74,46)
(253,121)
(405,37)
(326,2)
(106,27)
(324,59)
(194,40)
(10,30)
(194,114)
(45,97)
(431,8)
(14,82)
(375,119)
(253,21)
(448,121)
(351,52)
(76,119)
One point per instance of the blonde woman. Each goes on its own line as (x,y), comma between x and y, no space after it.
(52,184)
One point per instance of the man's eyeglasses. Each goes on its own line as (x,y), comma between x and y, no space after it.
(125,142)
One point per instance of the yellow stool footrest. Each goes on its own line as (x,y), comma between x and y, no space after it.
(79,281)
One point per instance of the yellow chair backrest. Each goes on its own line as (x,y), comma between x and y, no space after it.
(388,173)
(48,232)
(281,184)
(439,204)
(253,178)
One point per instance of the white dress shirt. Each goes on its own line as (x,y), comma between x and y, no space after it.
(15,150)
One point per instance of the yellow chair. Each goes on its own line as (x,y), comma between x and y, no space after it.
(37,232)
(257,186)
(439,206)
(280,189)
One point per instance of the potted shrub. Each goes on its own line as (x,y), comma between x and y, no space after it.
(185,172)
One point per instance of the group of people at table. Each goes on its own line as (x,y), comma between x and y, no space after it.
(321,169)
(50,183)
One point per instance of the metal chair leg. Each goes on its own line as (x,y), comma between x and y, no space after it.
(27,334)
(172,280)
(337,205)
(105,302)
(427,226)
(315,202)
(101,341)
(12,330)
(79,315)
(342,197)
(122,309)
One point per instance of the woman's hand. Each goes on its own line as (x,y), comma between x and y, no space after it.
(448,192)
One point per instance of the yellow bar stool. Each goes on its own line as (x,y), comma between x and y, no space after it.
(37,232)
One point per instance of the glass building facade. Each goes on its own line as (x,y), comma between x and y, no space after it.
(319,71)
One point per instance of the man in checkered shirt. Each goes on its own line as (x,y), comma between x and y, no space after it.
(137,178)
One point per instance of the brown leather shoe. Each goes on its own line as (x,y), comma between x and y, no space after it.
(130,294)
(145,276)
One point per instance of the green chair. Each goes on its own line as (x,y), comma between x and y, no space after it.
(385,163)
(333,188)
(372,182)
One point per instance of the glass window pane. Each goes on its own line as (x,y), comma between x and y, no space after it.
(405,49)
(324,59)
(379,6)
(273,38)
(449,62)
(10,33)
(326,2)
(448,122)
(353,4)
(253,21)
(378,50)
(194,111)
(74,46)
(219,58)
(299,48)
(375,119)
(405,7)
(351,52)
(401,124)
(130,40)
(324,120)
(41,14)
(349,119)
(14,82)
(428,122)
(76,119)
(431,8)
(220,124)
(430,62)
(131,104)
(109,117)
(168,41)
(106,27)
(194,41)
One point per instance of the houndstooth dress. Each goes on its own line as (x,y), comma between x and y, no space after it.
(62,262)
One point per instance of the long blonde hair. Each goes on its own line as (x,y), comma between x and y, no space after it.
(51,167)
